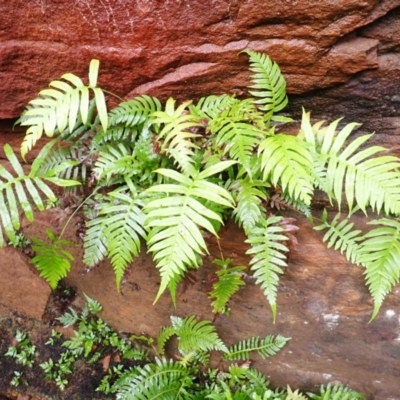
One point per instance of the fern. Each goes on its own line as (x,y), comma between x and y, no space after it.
(342,236)
(162,380)
(51,259)
(58,107)
(173,221)
(192,336)
(285,161)
(229,282)
(266,347)
(336,392)
(136,112)
(267,257)
(177,141)
(380,254)
(367,181)
(115,232)
(268,82)
(237,137)
(15,191)
(209,107)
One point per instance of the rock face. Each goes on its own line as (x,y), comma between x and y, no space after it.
(189,48)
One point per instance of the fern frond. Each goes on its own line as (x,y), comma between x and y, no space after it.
(176,139)
(95,249)
(266,347)
(236,133)
(248,194)
(336,392)
(229,282)
(136,112)
(164,380)
(196,336)
(269,83)
(51,259)
(60,106)
(18,190)
(174,220)
(267,257)
(380,254)
(342,236)
(209,107)
(115,232)
(285,161)
(365,180)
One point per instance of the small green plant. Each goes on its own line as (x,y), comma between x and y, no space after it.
(21,242)
(93,340)
(24,352)
(168,175)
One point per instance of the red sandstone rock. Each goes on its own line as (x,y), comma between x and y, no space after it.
(184,48)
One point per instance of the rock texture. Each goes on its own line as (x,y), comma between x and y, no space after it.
(22,290)
(189,48)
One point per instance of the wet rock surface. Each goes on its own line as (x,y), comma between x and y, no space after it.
(323,306)
(188,48)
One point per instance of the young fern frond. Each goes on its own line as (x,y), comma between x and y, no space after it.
(342,236)
(266,347)
(192,336)
(285,161)
(248,194)
(18,190)
(59,107)
(380,254)
(268,257)
(268,82)
(174,220)
(176,138)
(164,380)
(51,259)
(229,282)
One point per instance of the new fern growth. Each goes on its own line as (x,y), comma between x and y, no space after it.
(166,175)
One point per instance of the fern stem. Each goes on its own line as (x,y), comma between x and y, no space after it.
(113,94)
(77,209)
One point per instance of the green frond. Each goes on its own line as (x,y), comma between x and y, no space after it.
(335,392)
(268,257)
(268,82)
(51,259)
(95,249)
(229,282)
(342,236)
(380,254)
(176,137)
(163,380)
(248,194)
(296,395)
(209,107)
(236,131)
(59,107)
(365,180)
(287,162)
(266,347)
(122,228)
(135,112)
(174,220)
(196,336)
(18,190)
